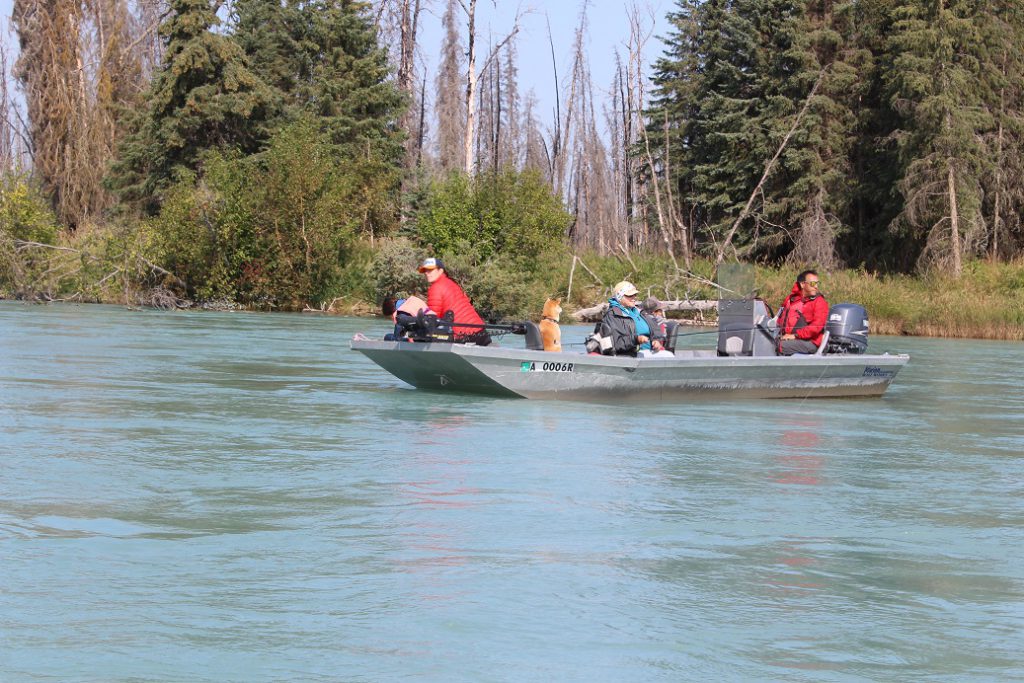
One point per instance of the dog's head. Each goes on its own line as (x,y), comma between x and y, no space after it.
(553,309)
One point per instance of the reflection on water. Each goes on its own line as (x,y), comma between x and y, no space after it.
(215,497)
(793,569)
(800,460)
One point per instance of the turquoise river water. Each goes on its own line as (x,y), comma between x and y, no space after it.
(239,497)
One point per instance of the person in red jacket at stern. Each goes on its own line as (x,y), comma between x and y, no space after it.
(445,295)
(803,316)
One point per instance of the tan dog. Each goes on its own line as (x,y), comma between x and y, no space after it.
(549,330)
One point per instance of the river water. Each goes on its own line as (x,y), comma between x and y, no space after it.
(240,497)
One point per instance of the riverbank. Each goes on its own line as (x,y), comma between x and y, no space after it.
(985,302)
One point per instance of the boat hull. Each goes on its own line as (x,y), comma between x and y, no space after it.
(536,374)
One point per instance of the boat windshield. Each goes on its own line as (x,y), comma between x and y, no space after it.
(736,281)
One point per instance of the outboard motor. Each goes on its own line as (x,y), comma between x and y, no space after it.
(847,329)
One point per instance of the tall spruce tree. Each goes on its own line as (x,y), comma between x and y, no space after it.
(324,61)
(874,163)
(672,110)
(937,81)
(730,85)
(274,36)
(204,96)
(815,196)
(1004,182)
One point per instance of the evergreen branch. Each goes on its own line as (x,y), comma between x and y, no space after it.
(768,169)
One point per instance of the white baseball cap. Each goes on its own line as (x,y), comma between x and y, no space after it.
(625,288)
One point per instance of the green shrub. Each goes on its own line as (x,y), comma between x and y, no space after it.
(26,221)
(276,229)
(25,213)
(510,212)
(118,262)
(393,272)
(500,286)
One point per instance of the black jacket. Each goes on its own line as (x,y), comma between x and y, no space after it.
(622,330)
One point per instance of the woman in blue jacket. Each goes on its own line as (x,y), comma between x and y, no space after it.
(631,330)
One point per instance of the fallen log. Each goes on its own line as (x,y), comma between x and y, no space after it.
(596,312)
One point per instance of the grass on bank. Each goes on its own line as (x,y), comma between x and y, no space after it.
(986,302)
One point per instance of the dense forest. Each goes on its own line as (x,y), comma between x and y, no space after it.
(292,153)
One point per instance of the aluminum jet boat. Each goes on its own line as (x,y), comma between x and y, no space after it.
(743,365)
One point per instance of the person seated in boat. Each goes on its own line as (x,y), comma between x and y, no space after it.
(631,331)
(445,295)
(654,310)
(403,312)
(803,316)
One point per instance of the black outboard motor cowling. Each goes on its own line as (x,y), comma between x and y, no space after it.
(847,329)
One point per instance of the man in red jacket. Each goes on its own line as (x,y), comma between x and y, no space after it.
(803,316)
(445,295)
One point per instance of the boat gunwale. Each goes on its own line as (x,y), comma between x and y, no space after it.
(472,350)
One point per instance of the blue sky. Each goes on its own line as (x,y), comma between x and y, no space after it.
(608,32)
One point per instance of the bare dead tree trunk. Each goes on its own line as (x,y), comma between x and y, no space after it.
(954,219)
(449,106)
(592,184)
(470,86)
(512,145)
(535,152)
(496,98)
(478,140)
(409,12)
(556,136)
(997,209)
(570,106)
(421,129)
(7,138)
(485,120)
(657,200)
(617,122)
(471,75)
(639,34)
(815,240)
(673,214)
(149,48)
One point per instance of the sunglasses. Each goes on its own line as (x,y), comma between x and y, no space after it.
(812,283)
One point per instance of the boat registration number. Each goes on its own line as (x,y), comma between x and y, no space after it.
(532,366)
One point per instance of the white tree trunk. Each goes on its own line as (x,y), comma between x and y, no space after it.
(954,219)
(470,89)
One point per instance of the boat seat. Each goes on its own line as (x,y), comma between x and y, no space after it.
(671,334)
(823,344)
(534,341)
